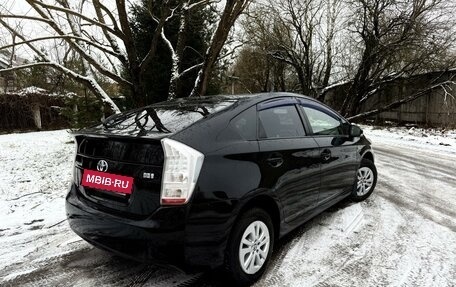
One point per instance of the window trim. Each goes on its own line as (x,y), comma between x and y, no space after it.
(317,104)
(271,103)
(305,121)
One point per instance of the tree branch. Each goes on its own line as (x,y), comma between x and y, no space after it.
(188,70)
(118,33)
(89,82)
(189,7)
(114,45)
(63,37)
(20,36)
(77,47)
(110,15)
(153,45)
(26,17)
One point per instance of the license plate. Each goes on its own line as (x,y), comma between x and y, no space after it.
(107,181)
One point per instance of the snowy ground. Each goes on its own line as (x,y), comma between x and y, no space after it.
(427,139)
(403,235)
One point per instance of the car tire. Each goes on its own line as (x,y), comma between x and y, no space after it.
(365,182)
(259,249)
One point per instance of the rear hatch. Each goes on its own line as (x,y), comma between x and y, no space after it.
(127,147)
(138,159)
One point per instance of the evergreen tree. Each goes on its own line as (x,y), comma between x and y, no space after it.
(198,32)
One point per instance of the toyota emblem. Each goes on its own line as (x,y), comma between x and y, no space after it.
(102,166)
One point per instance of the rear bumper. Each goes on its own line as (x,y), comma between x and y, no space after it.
(162,237)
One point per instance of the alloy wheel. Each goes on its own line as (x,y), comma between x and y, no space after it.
(365,181)
(254,247)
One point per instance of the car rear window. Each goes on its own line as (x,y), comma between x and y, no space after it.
(166,117)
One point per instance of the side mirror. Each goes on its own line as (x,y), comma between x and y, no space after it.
(355,131)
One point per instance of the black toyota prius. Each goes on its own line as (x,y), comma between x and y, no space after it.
(214,181)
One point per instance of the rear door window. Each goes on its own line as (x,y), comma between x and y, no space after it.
(281,121)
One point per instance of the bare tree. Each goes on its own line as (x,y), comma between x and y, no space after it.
(255,68)
(397,38)
(332,14)
(79,41)
(257,71)
(362,44)
(299,34)
(102,38)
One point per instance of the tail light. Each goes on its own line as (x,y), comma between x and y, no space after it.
(180,172)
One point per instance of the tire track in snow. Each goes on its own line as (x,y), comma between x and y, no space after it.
(92,267)
(413,205)
(429,195)
(418,273)
(417,166)
(282,249)
(299,251)
(348,261)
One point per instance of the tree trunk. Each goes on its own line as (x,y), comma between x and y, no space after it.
(134,68)
(180,47)
(328,67)
(175,86)
(301,79)
(36,115)
(232,10)
(308,71)
(361,83)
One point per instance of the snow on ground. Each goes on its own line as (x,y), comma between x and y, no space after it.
(35,169)
(403,235)
(426,138)
(35,172)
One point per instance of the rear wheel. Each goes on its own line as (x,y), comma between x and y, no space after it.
(366,179)
(250,247)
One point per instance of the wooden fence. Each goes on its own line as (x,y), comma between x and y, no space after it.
(436,108)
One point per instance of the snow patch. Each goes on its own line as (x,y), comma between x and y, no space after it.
(32,90)
(422,138)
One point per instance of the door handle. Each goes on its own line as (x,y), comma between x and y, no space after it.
(275,161)
(326,155)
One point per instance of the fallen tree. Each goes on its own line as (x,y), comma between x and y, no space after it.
(445,86)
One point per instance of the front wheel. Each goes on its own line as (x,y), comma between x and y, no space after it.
(366,179)
(250,247)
